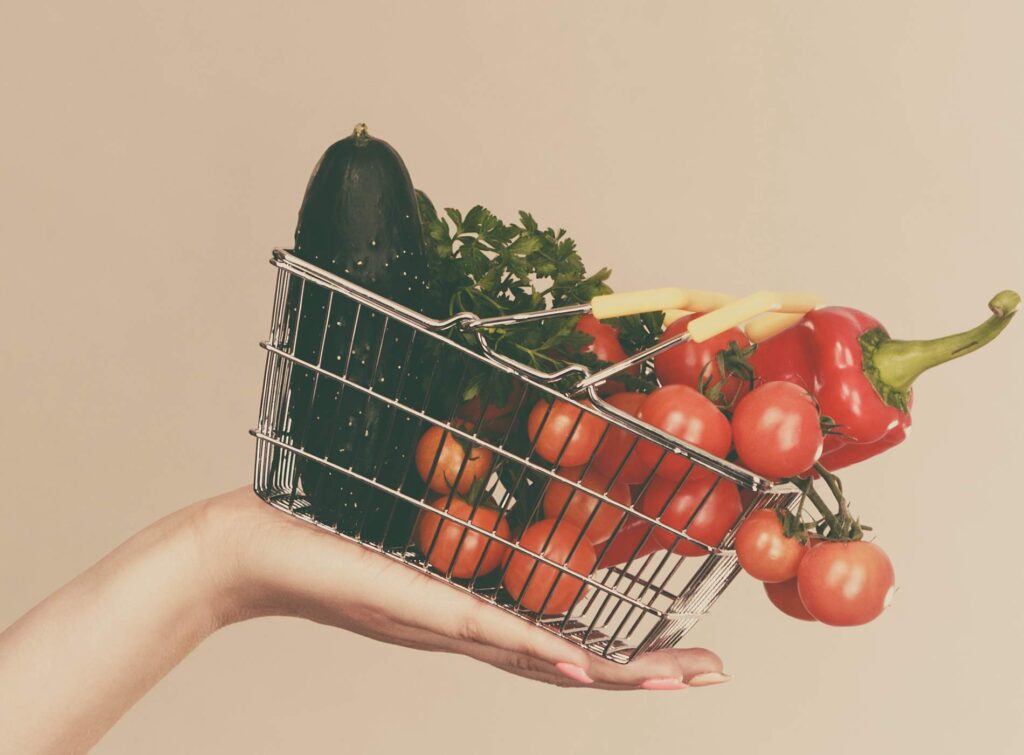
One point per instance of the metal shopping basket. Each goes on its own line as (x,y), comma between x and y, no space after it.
(645,600)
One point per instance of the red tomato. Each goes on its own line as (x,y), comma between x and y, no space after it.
(549,589)
(634,540)
(704,508)
(564,435)
(777,430)
(619,453)
(458,460)
(785,597)
(477,553)
(491,418)
(764,550)
(579,506)
(606,347)
(845,583)
(684,413)
(689,362)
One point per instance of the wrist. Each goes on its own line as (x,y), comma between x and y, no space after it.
(233,540)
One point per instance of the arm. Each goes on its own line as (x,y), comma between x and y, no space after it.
(76,662)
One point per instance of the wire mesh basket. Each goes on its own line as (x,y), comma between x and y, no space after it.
(358,428)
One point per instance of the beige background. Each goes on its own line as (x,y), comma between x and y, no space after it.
(153,153)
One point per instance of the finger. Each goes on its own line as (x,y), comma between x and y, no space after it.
(683,666)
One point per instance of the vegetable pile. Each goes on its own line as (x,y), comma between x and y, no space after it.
(832,390)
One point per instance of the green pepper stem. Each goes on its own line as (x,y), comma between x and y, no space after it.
(898,363)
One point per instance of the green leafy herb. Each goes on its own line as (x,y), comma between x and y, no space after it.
(480,264)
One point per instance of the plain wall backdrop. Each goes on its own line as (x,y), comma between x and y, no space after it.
(153,153)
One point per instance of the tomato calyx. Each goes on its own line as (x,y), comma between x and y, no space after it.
(733,363)
(793,526)
(830,427)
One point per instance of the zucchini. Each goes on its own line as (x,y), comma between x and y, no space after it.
(359,220)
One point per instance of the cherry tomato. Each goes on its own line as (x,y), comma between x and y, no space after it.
(579,506)
(457,455)
(681,411)
(845,583)
(492,418)
(606,347)
(549,589)
(564,434)
(785,597)
(459,459)
(477,553)
(777,430)
(704,508)
(634,540)
(689,362)
(764,550)
(619,453)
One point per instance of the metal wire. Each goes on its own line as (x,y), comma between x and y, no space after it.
(410,370)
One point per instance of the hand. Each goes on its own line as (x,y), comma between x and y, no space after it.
(279,565)
(149,602)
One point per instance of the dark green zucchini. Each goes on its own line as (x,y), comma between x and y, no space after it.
(359,220)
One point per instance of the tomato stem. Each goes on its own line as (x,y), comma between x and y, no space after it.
(806,484)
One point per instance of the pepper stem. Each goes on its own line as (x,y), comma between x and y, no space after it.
(894,365)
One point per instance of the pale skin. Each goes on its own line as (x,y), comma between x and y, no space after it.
(73,665)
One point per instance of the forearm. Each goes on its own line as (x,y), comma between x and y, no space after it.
(77,661)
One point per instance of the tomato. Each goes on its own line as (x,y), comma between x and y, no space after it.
(618,453)
(579,506)
(457,456)
(764,550)
(549,589)
(689,362)
(634,540)
(777,430)
(785,597)
(606,347)
(845,583)
(564,435)
(706,507)
(684,413)
(477,553)
(491,418)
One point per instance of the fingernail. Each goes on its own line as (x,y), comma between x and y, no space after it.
(574,672)
(664,682)
(707,678)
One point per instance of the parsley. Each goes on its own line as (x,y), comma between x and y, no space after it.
(480,264)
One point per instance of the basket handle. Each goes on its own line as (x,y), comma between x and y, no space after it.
(653,299)
(760,328)
(741,310)
(729,315)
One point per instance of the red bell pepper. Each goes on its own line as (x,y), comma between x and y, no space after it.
(860,376)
